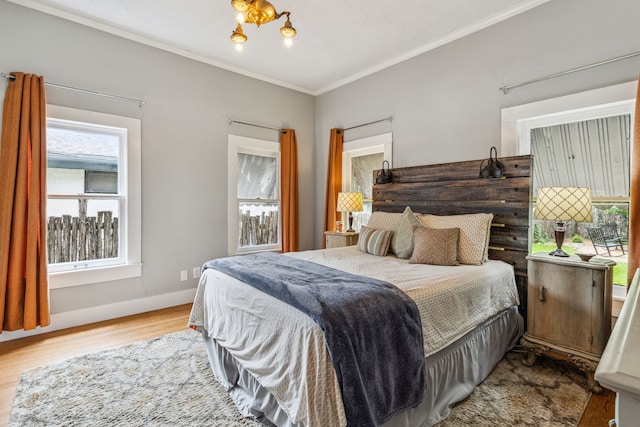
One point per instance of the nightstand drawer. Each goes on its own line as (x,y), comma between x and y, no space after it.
(564,303)
(334,239)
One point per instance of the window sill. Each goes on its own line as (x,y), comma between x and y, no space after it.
(619,293)
(66,279)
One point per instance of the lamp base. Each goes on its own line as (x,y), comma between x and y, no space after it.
(559,240)
(350,229)
(559,252)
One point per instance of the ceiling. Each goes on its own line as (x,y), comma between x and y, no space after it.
(338,41)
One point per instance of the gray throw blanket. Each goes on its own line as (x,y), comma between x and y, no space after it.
(372,329)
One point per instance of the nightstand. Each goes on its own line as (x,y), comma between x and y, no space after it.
(338,239)
(568,310)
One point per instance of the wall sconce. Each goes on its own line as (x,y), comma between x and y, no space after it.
(494,168)
(384,176)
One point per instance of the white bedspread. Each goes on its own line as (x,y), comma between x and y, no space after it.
(285,350)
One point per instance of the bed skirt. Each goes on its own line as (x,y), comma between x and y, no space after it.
(452,374)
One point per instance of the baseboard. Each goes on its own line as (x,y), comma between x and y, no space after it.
(99,313)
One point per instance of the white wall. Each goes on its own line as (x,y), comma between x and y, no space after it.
(446,103)
(184,139)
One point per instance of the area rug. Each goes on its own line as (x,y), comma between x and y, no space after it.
(167,382)
(550,393)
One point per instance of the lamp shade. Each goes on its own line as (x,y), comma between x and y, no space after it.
(349,202)
(564,204)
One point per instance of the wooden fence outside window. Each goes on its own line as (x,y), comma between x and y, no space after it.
(258,229)
(71,239)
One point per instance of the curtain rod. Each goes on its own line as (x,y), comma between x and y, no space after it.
(390,118)
(232,121)
(140,102)
(505,89)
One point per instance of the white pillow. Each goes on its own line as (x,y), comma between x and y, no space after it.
(473,246)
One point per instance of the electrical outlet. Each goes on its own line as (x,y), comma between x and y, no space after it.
(196,272)
(184,275)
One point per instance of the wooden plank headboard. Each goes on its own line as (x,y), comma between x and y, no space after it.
(455,188)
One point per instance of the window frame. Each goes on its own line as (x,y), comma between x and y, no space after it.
(259,147)
(382,143)
(517,122)
(129,263)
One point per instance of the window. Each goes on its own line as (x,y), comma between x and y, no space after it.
(254,195)
(100,182)
(93,191)
(579,140)
(359,159)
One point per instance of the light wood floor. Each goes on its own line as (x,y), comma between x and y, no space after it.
(31,352)
(26,353)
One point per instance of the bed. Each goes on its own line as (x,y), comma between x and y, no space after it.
(279,367)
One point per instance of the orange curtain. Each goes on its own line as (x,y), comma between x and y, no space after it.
(334,180)
(24,293)
(289,183)
(634,202)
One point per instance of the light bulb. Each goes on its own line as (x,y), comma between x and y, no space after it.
(288,41)
(238,37)
(240,17)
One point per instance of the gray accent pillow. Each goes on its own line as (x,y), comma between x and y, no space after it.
(402,240)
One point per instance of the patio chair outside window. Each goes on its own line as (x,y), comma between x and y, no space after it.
(605,236)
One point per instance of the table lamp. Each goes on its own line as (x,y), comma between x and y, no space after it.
(563,204)
(349,202)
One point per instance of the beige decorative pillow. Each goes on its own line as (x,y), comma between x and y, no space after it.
(402,240)
(436,246)
(384,220)
(473,244)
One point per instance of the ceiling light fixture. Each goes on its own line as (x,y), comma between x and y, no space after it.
(258,12)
